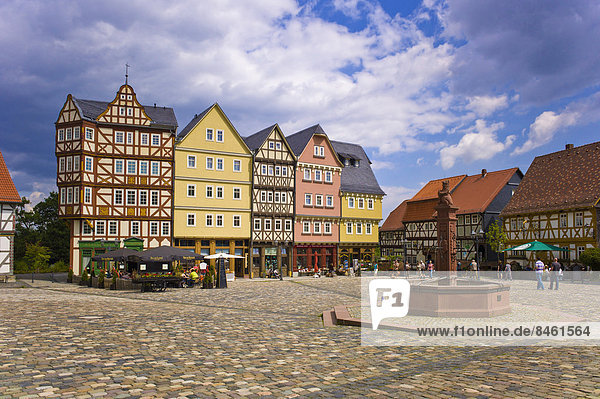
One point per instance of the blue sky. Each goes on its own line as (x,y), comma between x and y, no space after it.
(431,88)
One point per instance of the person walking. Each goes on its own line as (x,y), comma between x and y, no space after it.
(554,271)
(539,273)
(508,271)
(474,269)
(431,268)
(407,268)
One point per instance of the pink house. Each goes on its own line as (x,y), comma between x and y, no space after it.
(317,202)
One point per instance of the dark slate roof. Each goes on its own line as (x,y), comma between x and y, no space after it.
(299,140)
(560,180)
(357,179)
(91,109)
(255,141)
(197,118)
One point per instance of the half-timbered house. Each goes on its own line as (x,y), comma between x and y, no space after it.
(392,233)
(114,173)
(273,181)
(9,199)
(213,181)
(361,205)
(557,203)
(317,203)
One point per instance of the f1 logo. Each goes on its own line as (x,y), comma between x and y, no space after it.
(388,298)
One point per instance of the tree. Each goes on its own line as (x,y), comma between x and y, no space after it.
(591,257)
(37,257)
(496,237)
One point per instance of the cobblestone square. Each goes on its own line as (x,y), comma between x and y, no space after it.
(256,338)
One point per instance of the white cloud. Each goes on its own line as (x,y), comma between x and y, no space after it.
(394,196)
(486,105)
(382,165)
(481,142)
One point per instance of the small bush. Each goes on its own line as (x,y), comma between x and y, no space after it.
(101,279)
(84,278)
(70,276)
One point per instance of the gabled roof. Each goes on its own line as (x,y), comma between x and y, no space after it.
(256,140)
(475,193)
(91,110)
(8,191)
(420,210)
(560,180)
(430,190)
(197,118)
(299,140)
(394,219)
(357,179)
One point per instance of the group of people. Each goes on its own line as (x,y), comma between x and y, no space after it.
(421,268)
(555,270)
(194,275)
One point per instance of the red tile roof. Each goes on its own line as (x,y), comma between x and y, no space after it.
(430,190)
(394,219)
(420,210)
(560,180)
(475,193)
(8,191)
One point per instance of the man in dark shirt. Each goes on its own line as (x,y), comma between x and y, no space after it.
(554,269)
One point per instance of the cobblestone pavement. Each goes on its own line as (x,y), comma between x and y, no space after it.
(256,338)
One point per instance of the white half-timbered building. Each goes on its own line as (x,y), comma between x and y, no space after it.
(9,199)
(274,165)
(114,173)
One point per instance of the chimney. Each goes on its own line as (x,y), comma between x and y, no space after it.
(569,147)
(483,172)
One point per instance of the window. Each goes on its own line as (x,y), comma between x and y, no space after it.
(100,227)
(348,228)
(144,138)
(368,228)
(69,134)
(69,164)
(308,199)
(284,171)
(277,170)
(263,170)
(156,140)
(76,131)
(263,196)
(61,134)
(154,198)
(220,136)
(112,228)
(467,219)
(271,145)
(87,230)
(119,137)
(358,228)
(288,225)
(143,167)
(89,133)
(88,164)
(122,111)
(63,198)
(321,151)
(129,111)
(278,145)
(361,203)
(153,228)
(191,161)
(329,201)
(277,224)
(513,224)
(209,135)
(268,223)
(270,170)
(220,190)
(370,203)
(144,198)
(317,228)
(76,162)
(76,195)
(70,195)
(578,218)
(563,220)
(191,190)
(305,227)
(307,174)
(237,221)
(237,165)
(328,178)
(131,167)
(209,220)
(135,229)
(270,196)
(87,195)
(580,250)
(317,152)
(318,200)
(237,193)
(209,191)
(61,164)
(283,199)
(118,197)
(277,198)
(210,163)
(119,166)
(191,219)
(327,228)
(166,228)
(219,220)
(130,197)
(350,202)
(257,224)
(155,169)
(317,175)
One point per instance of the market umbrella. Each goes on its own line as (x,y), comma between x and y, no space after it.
(118,255)
(221,279)
(166,254)
(535,246)
(223,256)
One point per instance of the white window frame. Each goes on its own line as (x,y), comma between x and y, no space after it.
(328,176)
(119,137)
(76,133)
(113,228)
(327,228)
(368,229)
(322,151)
(211,161)
(69,167)
(257,224)
(237,218)
(277,170)
(144,168)
(165,229)
(220,161)
(61,164)
(133,198)
(155,140)
(288,225)
(119,167)
(263,196)
(277,225)
(209,220)
(271,170)
(358,228)
(237,190)
(191,193)
(351,202)
(144,139)
(87,195)
(76,195)
(209,188)
(219,220)
(319,200)
(135,228)
(276,197)
(317,228)
(154,198)
(154,229)
(155,165)
(210,134)
(371,204)
(190,217)
(317,175)
(63,195)
(305,227)
(191,162)
(116,194)
(91,164)
(278,145)
(69,134)
(271,145)
(361,203)
(89,134)
(219,192)
(222,134)
(563,217)
(129,163)
(283,197)
(268,223)
(76,163)
(263,169)
(100,228)
(307,199)
(61,135)
(578,219)
(349,227)
(270,197)
(284,170)
(307,174)
(237,162)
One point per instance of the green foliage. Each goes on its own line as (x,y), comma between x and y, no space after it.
(496,237)
(591,257)
(70,276)
(84,277)
(209,278)
(37,257)
(101,280)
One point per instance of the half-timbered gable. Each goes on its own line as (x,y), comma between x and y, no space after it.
(557,203)
(273,182)
(9,199)
(115,171)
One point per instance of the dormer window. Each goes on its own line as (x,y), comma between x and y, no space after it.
(346,162)
(357,163)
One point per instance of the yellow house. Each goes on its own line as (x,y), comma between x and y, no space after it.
(213,181)
(361,205)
